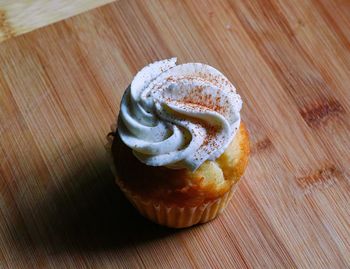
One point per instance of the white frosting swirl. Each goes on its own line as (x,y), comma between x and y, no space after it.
(179,116)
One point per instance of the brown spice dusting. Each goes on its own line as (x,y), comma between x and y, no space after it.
(196,97)
(209,140)
(202,99)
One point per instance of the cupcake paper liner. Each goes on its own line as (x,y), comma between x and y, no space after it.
(174,216)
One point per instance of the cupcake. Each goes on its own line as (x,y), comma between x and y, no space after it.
(180,146)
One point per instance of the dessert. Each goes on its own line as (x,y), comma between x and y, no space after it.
(180,146)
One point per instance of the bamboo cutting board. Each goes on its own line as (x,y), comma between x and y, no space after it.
(21,16)
(60,87)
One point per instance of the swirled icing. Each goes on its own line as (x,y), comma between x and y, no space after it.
(179,116)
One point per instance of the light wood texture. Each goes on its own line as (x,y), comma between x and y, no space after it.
(60,88)
(21,16)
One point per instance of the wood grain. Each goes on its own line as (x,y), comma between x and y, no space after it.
(22,16)
(60,88)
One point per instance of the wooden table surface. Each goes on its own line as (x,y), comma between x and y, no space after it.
(60,88)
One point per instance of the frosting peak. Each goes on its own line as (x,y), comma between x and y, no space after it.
(179,116)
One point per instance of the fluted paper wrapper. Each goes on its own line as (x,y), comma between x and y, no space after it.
(178,217)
